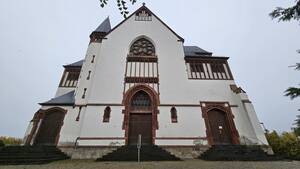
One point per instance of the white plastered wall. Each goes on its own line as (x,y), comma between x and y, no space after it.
(70,129)
(190,125)
(94,127)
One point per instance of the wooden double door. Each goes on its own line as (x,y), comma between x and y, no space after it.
(219,127)
(140,124)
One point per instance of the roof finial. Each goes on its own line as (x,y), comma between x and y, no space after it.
(144,3)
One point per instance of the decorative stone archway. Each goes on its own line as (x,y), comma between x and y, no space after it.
(51,118)
(224,107)
(129,109)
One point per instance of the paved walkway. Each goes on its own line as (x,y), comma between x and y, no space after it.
(190,164)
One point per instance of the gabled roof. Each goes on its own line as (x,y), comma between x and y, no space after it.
(104,26)
(148,10)
(66,99)
(195,51)
(75,64)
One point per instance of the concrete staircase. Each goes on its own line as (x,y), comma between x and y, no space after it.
(237,153)
(25,155)
(148,153)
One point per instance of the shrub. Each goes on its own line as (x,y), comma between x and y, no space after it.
(286,144)
(11,140)
(2,143)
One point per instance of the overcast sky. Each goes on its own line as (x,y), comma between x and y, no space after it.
(37,37)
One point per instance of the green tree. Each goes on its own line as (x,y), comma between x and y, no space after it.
(121,4)
(293,92)
(297,126)
(288,13)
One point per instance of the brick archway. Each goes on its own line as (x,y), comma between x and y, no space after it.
(224,107)
(52,118)
(127,98)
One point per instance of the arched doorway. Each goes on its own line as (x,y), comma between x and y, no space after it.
(140,116)
(48,132)
(140,119)
(219,127)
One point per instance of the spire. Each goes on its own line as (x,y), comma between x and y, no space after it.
(101,31)
(104,26)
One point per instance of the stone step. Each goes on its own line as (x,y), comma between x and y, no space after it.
(236,153)
(30,161)
(30,155)
(148,153)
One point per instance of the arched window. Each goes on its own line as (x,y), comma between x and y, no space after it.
(106,114)
(173,115)
(142,47)
(141,101)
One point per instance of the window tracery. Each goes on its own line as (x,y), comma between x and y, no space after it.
(142,47)
(141,101)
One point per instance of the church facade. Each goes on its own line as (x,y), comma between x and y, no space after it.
(138,79)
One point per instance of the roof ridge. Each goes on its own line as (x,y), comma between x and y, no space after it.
(145,7)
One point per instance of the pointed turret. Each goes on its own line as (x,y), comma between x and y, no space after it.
(101,31)
(104,26)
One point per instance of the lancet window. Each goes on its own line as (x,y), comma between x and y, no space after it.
(173,115)
(106,115)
